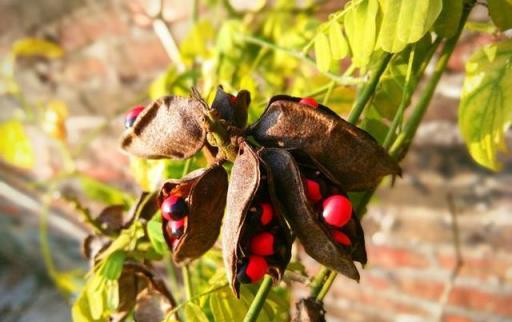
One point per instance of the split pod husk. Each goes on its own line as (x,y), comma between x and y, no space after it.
(205,193)
(354,158)
(232,109)
(249,176)
(305,222)
(170,127)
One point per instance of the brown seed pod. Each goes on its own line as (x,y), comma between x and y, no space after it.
(303,219)
(170,127)
(232,109)
(246,180)
(354,158)
(205,210)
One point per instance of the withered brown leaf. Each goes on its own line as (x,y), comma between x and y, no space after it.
(206,191)
(246,178)
(354,158)
(303,219)
(170,127)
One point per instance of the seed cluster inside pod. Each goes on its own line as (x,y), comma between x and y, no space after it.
(333,207)
(174,210)
(262,245)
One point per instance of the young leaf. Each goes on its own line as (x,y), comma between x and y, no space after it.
(15,147)
(339,47)
(485,110)
(102,192)
(155,234)
(112,267)
(361,28)
(446,24)
(36,47)
(406,21)
(322,52)
(501,13)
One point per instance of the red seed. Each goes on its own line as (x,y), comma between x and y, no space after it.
(267,213)
(309,101)
(341,238)
(313,190)
(131,116)
(177,227)
(337,210)
(173,207)
(232,99)
(256,268)
(262,244)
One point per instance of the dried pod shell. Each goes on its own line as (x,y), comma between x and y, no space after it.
(304,221)
(243,186)
(233,111)
(170,127)
(309,310)
(206,192)
(355,159)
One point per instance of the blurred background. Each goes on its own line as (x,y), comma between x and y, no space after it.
(70,69)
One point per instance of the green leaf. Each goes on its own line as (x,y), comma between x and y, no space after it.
(155,234)
(485,111)
(15,147)
(361,29)
(406,22)
(501,13)
(112,267)
(322,52)
(194,313)
(81,312)
(339,46)
(28,47)
(102,192)
(448,21)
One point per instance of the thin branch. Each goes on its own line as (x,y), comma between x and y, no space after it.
(342,80)
(259,300)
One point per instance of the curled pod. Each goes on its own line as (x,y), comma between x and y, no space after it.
(232,109)
(170,127)
(305,219)
(204,211)
(252,184)
(353,157)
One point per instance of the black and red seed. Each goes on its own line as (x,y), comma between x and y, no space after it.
(174,210)
(132,115)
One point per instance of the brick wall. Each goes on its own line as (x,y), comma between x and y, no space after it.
(111,56)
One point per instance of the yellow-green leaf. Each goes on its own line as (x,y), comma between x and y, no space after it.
(15,147)
(406,21)
(102,192)
(339,46)
(28,47)
(361,29)
(322,52)
(501,13)
(194,313)
(485,111)
(448,21)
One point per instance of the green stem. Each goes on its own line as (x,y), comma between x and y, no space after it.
(318,282)
(327,286)
(369,90)
(404,140)
(186,280)
(259,300)
(342,80)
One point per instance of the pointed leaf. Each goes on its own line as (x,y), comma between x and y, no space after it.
(339,46)
(322,52)
(361,28)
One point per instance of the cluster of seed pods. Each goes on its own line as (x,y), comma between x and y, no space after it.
(295,181)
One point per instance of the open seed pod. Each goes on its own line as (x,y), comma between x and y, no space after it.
(355,159)
(252,185)
(170,127)
(232,109)
(204,193)
(304,219)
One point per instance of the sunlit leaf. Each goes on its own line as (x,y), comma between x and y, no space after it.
(406,22)
(194,313)
(339,46)
(15,146)
(155,235)
(361,29)
(196,42)
(81,312)
(501,13)
(448,21)
(112,267)
(102,192)
(322,52)
(485,111)
(486,27)
(36,47)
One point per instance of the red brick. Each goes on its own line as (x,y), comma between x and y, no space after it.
(482,267)
(455,318)
(142,56)
(391,257)
(85,69)
(483,301)
(425,289)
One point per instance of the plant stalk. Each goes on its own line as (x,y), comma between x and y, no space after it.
(259,300)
